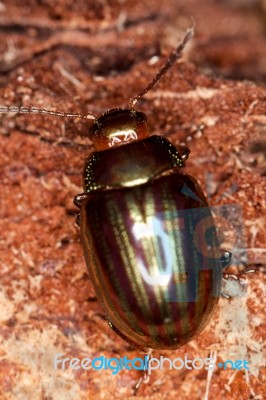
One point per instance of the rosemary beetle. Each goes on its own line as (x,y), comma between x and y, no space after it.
(147,231)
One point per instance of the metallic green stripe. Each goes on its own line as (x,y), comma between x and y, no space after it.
(132,270)
(104,292)
(178,263)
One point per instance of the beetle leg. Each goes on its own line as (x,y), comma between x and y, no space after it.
(144,379)
(248,271)
(240,277)
(226,296)
(80,198)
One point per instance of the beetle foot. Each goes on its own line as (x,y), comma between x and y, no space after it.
(240,277)
(226,296)
(145,379)
(230,276)
(226,257)
(80,198)
(248,271)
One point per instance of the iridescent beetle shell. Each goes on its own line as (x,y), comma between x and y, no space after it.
(148,235)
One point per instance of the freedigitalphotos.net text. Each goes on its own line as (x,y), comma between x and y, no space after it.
(147,364)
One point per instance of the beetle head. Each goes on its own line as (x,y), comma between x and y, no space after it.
(117,127)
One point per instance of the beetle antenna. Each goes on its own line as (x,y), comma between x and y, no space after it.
(35,110)
(176,54)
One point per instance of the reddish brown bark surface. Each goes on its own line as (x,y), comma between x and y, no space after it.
(90,57)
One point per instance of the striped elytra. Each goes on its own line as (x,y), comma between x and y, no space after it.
(148,236)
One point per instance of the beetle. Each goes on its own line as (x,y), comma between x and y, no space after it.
(147,231)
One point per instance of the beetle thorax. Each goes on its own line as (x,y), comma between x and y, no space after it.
(117,127)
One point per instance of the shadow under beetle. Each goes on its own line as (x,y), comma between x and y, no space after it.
(147,231)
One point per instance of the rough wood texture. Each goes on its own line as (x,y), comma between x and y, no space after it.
(93,56)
